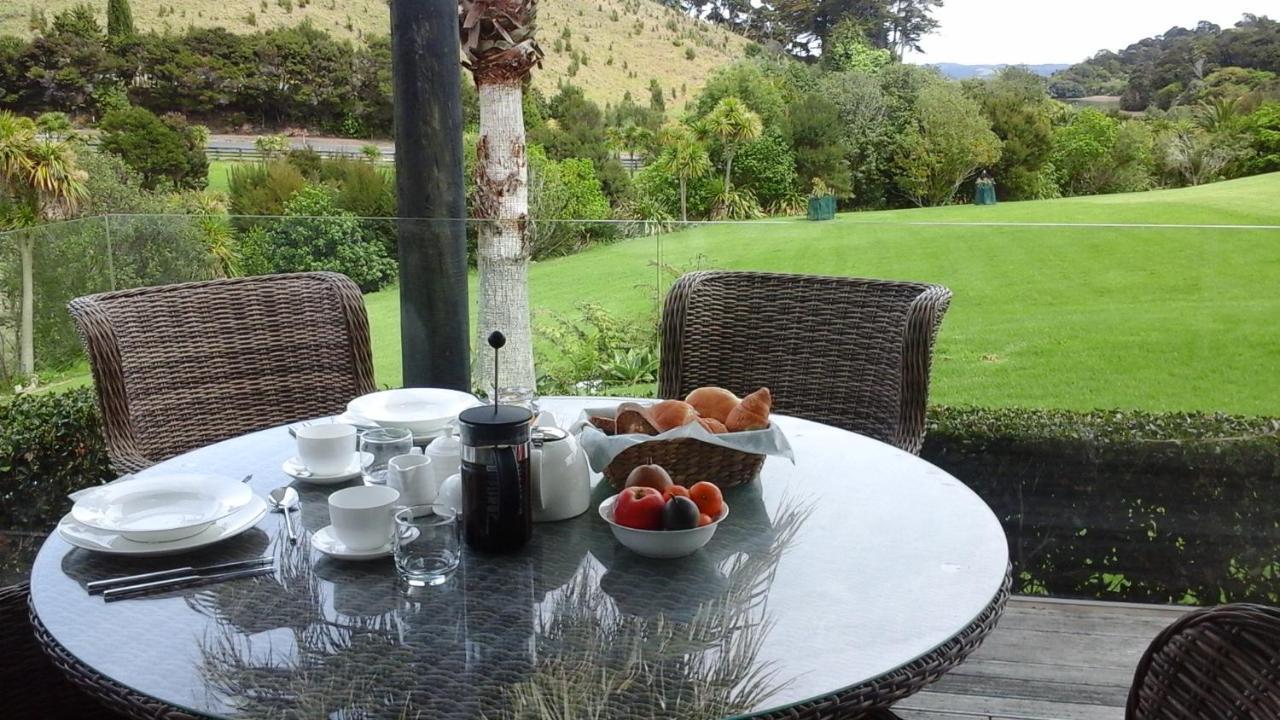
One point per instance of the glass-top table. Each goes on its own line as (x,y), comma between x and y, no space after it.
(841,583)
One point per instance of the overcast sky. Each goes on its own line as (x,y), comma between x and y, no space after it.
(1065,31)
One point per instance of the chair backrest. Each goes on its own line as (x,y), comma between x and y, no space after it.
(1221,663)
(849,352)
(180,366)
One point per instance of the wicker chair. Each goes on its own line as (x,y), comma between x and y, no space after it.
(1221,663)
(848,352)
(35,688)
(181,366)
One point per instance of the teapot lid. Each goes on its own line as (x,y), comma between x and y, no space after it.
(495,425)
(545,434)
(446,444)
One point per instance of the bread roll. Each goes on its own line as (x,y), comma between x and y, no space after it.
(670,414)
(634,419)
(713,402)
(712,425)
(752,413)
(608,426)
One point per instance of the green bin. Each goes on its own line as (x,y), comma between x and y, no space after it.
(822,207)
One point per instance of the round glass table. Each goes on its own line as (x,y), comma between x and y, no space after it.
(838,584)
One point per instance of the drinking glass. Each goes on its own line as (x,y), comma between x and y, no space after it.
(524,397)
(427,549)
(378,446)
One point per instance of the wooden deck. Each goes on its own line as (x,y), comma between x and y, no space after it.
(1047,660)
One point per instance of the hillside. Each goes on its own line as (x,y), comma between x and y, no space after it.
(959,71)
(621,44)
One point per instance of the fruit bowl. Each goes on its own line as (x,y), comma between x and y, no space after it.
(661,543)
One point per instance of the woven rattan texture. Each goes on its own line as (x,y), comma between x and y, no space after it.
(848,352)
(181,366)
(1221,663)
(687,461)
(34,687)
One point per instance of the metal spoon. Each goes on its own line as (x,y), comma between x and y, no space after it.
(284,499)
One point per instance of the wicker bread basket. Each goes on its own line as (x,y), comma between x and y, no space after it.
(687,461)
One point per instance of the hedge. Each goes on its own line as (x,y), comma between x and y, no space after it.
(1168,507)
(1153,507)
(50,445)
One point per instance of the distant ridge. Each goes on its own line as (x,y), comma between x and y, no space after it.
(957,71)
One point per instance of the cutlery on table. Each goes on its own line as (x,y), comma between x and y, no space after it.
(284,499)
(98,586)
(178,583)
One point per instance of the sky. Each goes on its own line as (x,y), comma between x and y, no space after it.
(1012,32)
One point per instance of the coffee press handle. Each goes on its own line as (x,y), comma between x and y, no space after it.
(508,477)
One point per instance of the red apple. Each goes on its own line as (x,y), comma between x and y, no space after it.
(639,507)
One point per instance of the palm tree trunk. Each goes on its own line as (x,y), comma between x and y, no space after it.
(26,332)
(728,168)
(684,199)
(502,184)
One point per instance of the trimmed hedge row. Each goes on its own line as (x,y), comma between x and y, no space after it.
(50,445)
(1152,507)
(1146,507)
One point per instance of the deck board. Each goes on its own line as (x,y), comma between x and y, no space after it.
(1047,660)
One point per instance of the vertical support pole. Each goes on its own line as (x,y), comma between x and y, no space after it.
(111,257)
(427,94)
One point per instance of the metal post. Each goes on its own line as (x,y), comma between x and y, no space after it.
(426,87)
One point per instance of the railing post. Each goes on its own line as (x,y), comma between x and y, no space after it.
(111,256)
(427,93)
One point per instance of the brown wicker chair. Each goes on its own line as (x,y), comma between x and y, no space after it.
(181,366)
(34,687)
(848,352)
(1221,663)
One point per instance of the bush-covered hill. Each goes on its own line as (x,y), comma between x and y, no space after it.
(607,47)
(1182,66)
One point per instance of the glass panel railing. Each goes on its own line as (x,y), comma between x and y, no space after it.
(1107,388)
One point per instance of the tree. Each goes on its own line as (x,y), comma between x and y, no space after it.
(684,158)
(39,181)
(54,124)
(848,49)
(500,49)
(1096,153)
(767,167)
(1263,132)
(1196,156)
(119,19)
(815,131)
(732,123)
(579,131)
(752,82)
(1020,112)
(948,142)
(909,21)
(161,150)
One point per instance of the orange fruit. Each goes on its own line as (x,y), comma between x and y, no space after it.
(675,491)
(704,519)
(708,498)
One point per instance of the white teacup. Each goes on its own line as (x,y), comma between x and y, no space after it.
(363,516)
(412,476)
(326,449)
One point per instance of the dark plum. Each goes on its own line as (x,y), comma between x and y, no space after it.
(681,513)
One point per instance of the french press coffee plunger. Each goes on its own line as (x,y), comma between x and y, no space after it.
(497,509)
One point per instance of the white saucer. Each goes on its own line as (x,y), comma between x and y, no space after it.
(83,536)
(326,541)
(294,468)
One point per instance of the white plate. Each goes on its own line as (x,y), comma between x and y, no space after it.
(162,507)
(422,410)
(326,541)
(83,536)
(294,468)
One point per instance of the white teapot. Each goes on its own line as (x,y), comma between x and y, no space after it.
(561,478)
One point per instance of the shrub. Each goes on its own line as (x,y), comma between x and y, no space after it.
(262,188)
(595,352)
(561,192)
(317,235)
(50,445)
(1149,507)
(766,167)
(163,150)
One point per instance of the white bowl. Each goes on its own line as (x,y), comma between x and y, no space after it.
(660,543)
(162,507)
(421,410)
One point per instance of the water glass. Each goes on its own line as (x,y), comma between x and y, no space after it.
(524,397)
(427,548)
(378,446)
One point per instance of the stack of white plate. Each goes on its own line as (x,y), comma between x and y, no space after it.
(427,412)
(161,514)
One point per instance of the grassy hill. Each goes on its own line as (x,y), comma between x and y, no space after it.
(1082,317)
(621,44)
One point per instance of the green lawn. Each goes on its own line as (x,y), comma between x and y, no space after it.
(1095,317)
(218,170)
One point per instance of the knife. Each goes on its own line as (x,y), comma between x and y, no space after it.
(178,583)
(99,586)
